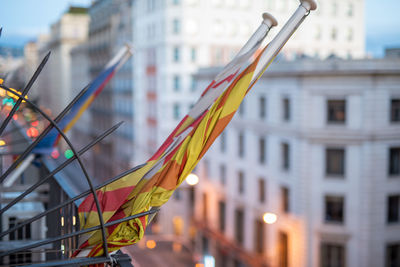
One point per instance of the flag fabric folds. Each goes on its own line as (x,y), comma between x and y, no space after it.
(47,144)
(153,184)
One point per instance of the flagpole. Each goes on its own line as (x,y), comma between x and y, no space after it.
(249,47)
(283,36)
(9,181)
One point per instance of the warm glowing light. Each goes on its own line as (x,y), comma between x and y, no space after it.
(62,221)
(73,220)
(199,265)
(192,179)
(68,153)
(270,217)
(151,244)
(15,117)
(176,247)
(32,132)
(35,123)
(2,143)
(55,154)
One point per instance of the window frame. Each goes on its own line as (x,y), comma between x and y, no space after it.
(333,220)
(333,120)
(329,172)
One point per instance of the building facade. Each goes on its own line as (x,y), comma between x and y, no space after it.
(317,143)
(55,81)
(174,38)
(110,28)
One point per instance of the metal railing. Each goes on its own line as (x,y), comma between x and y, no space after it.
(122,260)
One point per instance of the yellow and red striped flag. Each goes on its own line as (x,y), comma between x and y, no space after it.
(153,184)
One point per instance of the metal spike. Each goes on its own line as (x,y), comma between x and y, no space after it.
(42,135)
(80,232)
(24,92)
(60,167)
(68,201)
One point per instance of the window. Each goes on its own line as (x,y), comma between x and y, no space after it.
(193,84)
(393,255)
(240,182)
(395,110)
(334,34)
(285,152)
(286,109)
(176,26)
(336,111)
(334,9)
(150,5)
(261,150)
(193,54)
(393,209)
(222,139)
(205,207)
(241,145)
(350,34)
(177,54)
(261,190)
(239,223)
(178,224)
(177,83)
(222,173)
(22,233)
(241,109)
(263,108)
(205,244)
(259,236)
(285,199)
(206,168)
(332,255)
(283,250)
(318,33)
(177,111)
(221,213)
(334,209)
(350,10)
(394,161)
(177,194)
(335,161)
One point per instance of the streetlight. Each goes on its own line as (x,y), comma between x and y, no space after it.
(192,179)
(270,218)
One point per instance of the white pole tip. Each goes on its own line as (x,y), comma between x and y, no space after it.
(272,19)
(312,4)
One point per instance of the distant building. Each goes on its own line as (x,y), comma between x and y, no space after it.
(174,38)
(109,30)
(392,52)
(55,81)
(317,143)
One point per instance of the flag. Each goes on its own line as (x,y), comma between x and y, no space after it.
(47,144)
(153,184)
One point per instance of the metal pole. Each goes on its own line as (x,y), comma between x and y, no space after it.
(68,201)
(43,134)
(84,231)
(24,92)
(282,37)
(59,168)
(96,199)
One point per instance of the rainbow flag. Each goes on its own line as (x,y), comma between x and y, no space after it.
(47,144)
(153,184)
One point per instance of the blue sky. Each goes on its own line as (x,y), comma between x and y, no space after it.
(22,20)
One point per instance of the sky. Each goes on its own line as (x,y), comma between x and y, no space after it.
(22,20)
